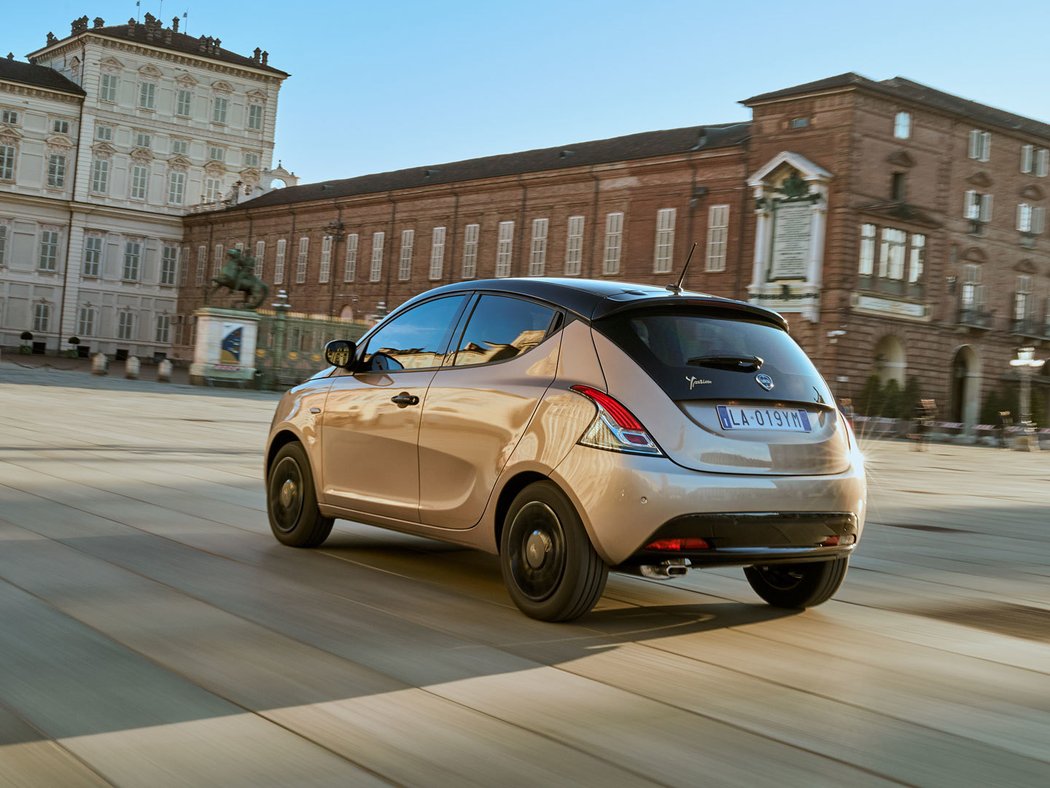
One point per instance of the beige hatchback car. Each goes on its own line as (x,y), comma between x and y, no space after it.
(573,427)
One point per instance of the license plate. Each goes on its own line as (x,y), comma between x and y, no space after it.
(733,417)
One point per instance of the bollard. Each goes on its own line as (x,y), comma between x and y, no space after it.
(131,368)
(164,371)
(99,364)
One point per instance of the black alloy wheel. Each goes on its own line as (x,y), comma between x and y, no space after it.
(549,566)
(291,500)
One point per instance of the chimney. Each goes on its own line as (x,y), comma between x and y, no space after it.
(175,25)
(255,54)
(265,57)
(99,22)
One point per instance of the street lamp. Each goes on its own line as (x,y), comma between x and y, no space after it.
(1026,364)
(281,307)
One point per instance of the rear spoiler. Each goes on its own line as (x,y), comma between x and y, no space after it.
(708,304)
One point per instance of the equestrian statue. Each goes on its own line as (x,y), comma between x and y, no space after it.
(238,275)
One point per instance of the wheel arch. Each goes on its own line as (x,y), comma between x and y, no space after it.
(278,442)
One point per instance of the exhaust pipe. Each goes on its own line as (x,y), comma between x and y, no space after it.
(674,567)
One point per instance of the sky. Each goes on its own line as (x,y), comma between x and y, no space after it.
(380,86)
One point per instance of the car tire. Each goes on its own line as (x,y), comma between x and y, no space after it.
(797,585)
(549,565)
(291,500)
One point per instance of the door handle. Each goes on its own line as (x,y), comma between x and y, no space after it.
(404,399)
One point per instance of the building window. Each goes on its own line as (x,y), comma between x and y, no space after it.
(1030,218)
(717,235)
(108,87)
(260,258)
(86,320)
(183,103)
(902,125)
(217,260)
(60,126)
(798,123)
(139,181)
(972,296)
(48,260)
(9,116)
(251,159)
(574,246)
(176,187)
(56,171)
(212,190)
(504,246)
(613,243)
(92,255)
(278,263)
(437,253)
(980,145)
(404,267)
(376,273)
(325,272)
(216,153)
(142,139)
(104,133)
(184,265)
(897,187)
(202,263)
(470,250)
(255,117)
(350,263)
(180,147)
(41,316)
(163,329)
(1023,298)
(3,244)
(901,259)
(978,206)
(7,162)
(302,260)
(100,176)
(169,264)
(147,95)
(125,325)
(132,261)
(219,108)
(664,241)
(1042,162)
(538,251)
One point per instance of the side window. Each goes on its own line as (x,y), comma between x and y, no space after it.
(415,340)
(502,328)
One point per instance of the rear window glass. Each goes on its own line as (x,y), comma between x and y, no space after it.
(695,355)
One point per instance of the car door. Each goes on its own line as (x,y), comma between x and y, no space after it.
(479,406)
(371,418)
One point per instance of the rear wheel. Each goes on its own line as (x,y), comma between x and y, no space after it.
(797,585)
(291,500)
(549,565)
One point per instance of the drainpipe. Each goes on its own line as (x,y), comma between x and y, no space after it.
(448,276)
(594,225)
(521,227)
(386,252)
(744,200)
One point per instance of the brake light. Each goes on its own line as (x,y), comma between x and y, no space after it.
(614,427)
(678,545)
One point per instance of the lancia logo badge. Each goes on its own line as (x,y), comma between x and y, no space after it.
(764,381)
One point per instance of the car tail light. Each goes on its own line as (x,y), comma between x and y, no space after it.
(678,545)
(615,428)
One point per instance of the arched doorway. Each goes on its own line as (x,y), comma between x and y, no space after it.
(890,362)
(965,387)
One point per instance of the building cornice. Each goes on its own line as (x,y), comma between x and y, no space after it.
(19,89)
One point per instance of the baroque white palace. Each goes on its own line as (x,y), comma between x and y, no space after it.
(108,137)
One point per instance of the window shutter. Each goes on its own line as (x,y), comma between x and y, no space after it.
(1038,217)
(974,142)
(986,208)
(1026,158)
(970,204)
(1042,160)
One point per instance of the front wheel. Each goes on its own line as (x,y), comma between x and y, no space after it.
(549,565)
(291,500)
(797,585)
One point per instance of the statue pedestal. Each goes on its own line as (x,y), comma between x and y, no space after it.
(225,348)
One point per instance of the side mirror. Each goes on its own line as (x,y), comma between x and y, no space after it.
(340,353)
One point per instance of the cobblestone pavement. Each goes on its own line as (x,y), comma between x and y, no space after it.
(154,633)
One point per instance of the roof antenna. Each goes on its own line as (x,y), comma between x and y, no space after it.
(677,288)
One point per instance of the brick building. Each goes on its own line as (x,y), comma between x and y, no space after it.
(900,229)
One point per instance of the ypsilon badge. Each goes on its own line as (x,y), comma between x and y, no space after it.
(764,381)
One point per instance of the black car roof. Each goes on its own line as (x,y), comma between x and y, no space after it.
(592,299)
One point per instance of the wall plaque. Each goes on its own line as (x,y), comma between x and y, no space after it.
(791,240)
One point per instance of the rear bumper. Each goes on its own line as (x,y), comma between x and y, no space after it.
(627,501)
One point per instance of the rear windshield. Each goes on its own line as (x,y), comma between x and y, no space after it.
(699,355)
